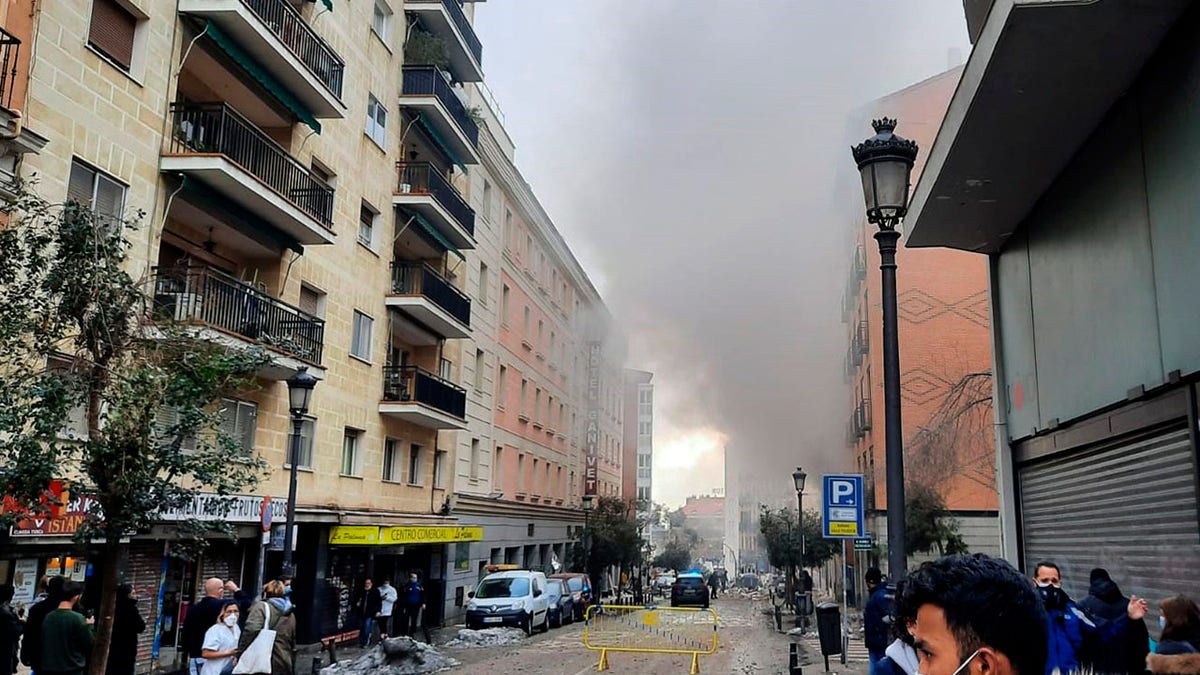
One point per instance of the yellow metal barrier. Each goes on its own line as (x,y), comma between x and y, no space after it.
(650,629)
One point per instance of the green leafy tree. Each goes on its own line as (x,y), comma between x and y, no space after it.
(611,538)
(74,344)
(675,556)
(928,527)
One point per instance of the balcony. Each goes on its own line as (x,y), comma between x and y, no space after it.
(273,33)
(215,144)
(234,313)
(862,416)
(422,188)
(426,91)
(422,398)
(860,262)
(862,338)
(419,291)
(446,19)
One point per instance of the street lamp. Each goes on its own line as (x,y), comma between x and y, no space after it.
(300,388)
(798,477)
(885,162)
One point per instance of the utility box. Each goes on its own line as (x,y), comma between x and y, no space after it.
(829,628)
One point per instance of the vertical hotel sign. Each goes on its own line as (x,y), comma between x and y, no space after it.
(591,437)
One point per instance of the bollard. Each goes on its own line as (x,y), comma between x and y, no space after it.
(332,651)
(316,665)
(794,660)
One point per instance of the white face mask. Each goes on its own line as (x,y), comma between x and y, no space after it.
(963,665)
(231,620)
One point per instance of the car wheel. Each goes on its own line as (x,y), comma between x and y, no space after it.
(706,605)
(527,625)
(546,623)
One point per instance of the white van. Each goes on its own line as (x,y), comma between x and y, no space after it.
(512,598)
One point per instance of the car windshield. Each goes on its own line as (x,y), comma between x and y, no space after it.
(575,584)
(513,587)
(554,587)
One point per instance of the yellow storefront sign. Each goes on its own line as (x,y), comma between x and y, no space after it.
(431,534)
(371,535)
(354,534)
(844,529)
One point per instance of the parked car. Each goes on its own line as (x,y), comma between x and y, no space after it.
(562,605)
(511,598)
(580,586)
(664,582)
(689,590)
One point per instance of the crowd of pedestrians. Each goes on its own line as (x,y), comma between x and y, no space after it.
(379,607)
(971,615)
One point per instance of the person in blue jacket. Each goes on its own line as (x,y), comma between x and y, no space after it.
(1068,623)
(876,619)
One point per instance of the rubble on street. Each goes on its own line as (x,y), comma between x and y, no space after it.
(395,656)
(486,637)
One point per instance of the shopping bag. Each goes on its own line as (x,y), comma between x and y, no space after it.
(257,657)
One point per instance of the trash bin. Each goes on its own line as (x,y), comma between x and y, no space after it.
(829,628)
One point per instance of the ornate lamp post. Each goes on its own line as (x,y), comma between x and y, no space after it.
(799,476)
(885,162)
(300,389)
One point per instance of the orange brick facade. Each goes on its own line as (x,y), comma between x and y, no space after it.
(945,343)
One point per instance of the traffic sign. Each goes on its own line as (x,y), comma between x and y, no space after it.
(864,544)
(842,508)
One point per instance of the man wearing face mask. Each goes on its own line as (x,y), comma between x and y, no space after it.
(968,615)
(1069,625)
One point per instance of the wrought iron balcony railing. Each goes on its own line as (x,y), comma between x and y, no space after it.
(412,384)
(423,178)
(455,10)
(202,295)
(301,40)
(216,128)
(429,81)
(417,278)
(10,49)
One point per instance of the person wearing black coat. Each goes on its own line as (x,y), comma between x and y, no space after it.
(31,644)
(369,605)
(1106,603)
(876,620)
(127,624)
(10,631)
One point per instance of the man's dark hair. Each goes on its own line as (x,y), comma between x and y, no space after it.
(1046,563)
(873,575)
(986,602)
(70,589)
(54,588)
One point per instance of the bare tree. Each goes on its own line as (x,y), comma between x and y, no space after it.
(957,440)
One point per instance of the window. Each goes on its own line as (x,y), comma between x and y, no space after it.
(487,199)
(521,472)
(525,325)
(439,469)
(537,405)
(102,194)
(504,305)
(239,422)
(446,370)
(391,460)
(644,428)
(312,301)
(475,457)
(112,32)
(479,370)
(76,422)
(534,488)
(165,421)
(380,18)
(541,334)
(500,387)
(643,461)
(524,396)
(414,464)
(645,396)
(360,341)
(376,121)
(366,225)
(498,469)
(308,431)
(529,246)
(484,282)
(351,457)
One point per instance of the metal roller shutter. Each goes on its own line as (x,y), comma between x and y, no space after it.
(1129,507)
(112,31)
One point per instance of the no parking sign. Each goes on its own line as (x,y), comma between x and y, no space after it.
(842,511)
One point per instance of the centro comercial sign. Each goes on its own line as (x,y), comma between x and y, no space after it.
(373,535)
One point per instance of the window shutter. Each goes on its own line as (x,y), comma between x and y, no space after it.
(79,186)
(110,198)
(247,423)
(310,301)
(112,31)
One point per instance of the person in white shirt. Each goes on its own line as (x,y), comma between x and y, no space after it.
(221,643)
(387,596)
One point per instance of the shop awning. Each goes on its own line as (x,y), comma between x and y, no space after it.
(438,237)
(440,142)
(265,78)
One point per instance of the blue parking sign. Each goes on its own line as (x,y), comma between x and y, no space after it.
(842,506)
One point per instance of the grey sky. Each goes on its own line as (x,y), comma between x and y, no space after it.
(687,150)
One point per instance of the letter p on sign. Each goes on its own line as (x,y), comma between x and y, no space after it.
(843,493)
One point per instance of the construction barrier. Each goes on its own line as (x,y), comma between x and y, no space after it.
(649,629)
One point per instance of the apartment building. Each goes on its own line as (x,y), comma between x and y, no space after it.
(945,351)
(638,451)
(545,361)
(303,171)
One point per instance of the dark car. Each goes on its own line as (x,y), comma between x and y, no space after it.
(580,586)
(689,590)
(562,605)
